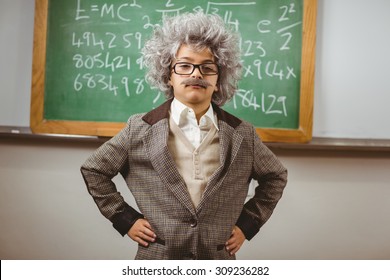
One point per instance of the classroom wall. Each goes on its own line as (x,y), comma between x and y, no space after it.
(336,204)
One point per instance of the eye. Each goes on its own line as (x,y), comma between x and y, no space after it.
(184,66)
(209,68)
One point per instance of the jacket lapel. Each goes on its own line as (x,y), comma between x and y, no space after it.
(156,146)
(230,142)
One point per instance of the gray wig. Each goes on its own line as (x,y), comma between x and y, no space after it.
(199,31)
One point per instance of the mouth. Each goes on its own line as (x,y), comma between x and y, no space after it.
(196,86)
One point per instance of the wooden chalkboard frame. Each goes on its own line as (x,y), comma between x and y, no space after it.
(40,125)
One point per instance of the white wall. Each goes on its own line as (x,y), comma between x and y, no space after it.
(336,205)
(16,40)
(352,69)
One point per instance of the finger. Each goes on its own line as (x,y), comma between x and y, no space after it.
(141,238)
(234,251)
(231,245)
(146,224)
(232,248)
(141,226)
(141,242)
(232,239)
(230,242)
(147,232)
(146,229)
(147,237)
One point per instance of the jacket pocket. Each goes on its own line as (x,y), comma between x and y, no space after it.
(220,247)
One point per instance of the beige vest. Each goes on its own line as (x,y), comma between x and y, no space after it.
(194,165)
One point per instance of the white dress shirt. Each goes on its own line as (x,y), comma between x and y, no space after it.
(185,119)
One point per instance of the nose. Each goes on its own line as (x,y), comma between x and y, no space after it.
(196,74)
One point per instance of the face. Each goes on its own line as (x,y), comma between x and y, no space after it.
(194,96)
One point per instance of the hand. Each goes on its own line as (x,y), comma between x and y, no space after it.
(142,233)
(235,241)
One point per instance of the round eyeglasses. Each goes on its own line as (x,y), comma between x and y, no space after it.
(185,68)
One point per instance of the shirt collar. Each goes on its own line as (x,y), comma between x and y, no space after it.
(179,111)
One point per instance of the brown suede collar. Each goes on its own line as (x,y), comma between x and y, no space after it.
(162,112)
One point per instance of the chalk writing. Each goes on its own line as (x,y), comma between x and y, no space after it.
(104,40)
(105,10)
(268,104)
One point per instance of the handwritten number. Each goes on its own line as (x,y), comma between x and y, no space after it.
(285,45)
(249,43)
(147,24)
(287,10)
(113,37)
(77,85)
(125,82)
(169,4)
(284,13)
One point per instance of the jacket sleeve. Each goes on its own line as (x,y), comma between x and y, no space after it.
(99,169)
(271,177)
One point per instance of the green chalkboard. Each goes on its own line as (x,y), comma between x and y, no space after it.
(94,73)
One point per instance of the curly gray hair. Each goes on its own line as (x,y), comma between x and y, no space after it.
(199,31)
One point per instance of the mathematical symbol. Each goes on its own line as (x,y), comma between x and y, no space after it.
(290,73)
(135,4)
(167,12)
(248,71)
(94,8)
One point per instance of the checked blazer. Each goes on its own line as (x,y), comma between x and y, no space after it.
(140,154)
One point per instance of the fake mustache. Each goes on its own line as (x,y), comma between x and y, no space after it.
(196,82)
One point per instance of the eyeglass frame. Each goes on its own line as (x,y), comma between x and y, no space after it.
(194,67)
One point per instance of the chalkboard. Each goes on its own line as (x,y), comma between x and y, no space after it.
(88,73)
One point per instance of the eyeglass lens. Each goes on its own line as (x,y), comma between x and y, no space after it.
(188,68)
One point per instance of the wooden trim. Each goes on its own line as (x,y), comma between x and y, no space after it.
(39,61)
(327,144)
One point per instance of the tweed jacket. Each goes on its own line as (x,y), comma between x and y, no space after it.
(140,154)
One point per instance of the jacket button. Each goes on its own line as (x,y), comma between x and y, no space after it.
(193,223)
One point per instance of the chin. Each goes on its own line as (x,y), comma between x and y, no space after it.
(197,98)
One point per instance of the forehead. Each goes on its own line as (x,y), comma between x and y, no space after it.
(188,53)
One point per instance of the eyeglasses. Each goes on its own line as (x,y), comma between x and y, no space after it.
(185,68)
